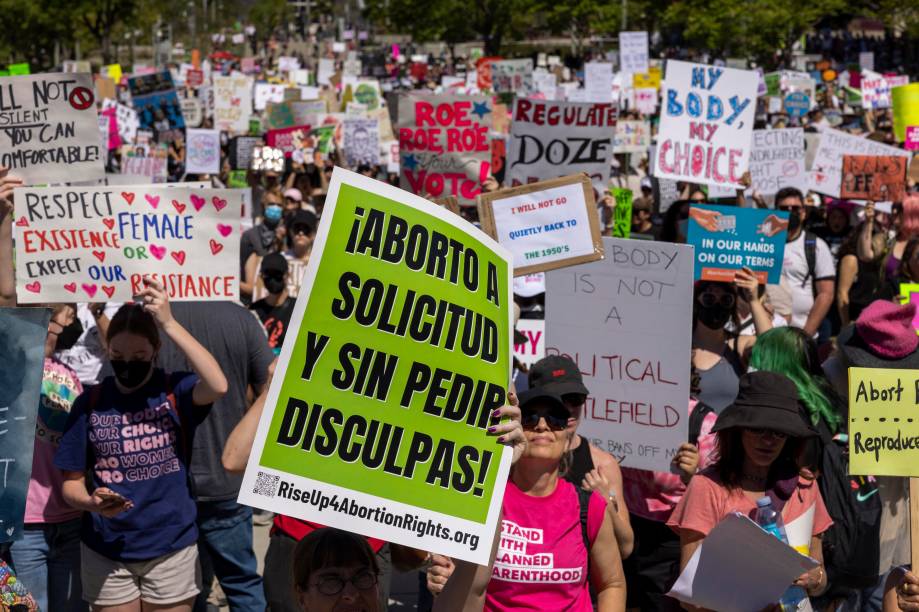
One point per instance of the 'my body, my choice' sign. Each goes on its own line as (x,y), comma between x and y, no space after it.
(398,351)
(706,123)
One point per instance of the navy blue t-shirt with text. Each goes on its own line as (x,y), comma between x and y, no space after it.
(138,451)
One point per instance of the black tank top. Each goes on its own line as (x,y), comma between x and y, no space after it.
(581,463)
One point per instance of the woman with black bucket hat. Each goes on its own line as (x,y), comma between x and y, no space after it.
(760,437)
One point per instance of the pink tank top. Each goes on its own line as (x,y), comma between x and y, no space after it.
(542,562)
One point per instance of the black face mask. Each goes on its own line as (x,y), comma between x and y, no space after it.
(714,317)
(131,373)
(274,284)
(69,336)
(794,222)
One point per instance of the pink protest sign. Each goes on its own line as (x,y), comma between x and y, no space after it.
(98,243)
(912,138)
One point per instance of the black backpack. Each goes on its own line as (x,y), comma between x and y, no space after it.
(851,547)
(810,255)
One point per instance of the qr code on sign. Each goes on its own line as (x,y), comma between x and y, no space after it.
(265,484)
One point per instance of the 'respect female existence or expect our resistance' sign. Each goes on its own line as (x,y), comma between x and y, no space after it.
(398,351)
(90,244)
(706,123)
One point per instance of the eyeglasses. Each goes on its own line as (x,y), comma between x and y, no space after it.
(301,229)
(333,584)
(574,400)
(556,418)
(273,276)
(708,299)
(762,433)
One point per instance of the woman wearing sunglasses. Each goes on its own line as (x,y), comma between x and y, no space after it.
(721,357)
(760,437)
(542,521)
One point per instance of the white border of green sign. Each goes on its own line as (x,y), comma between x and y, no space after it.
(456,515)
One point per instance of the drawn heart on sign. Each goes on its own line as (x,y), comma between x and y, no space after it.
(225,230)
(179,256)
(71,287)
(219,203)
(100,255)
(109,223)
(109,291)
(153,201)
(36,286)
(216,247)
(198,202)
(22,222)
(157,251)
(10,530)
(128,196)
(179,206)
(89,289)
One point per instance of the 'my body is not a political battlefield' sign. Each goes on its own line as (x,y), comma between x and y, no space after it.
(883,425)
(728,238)
(706,123)
(550,139)
(545,225)
(398,350)
(50,128)
(626,322)
(443,145)
(99,243)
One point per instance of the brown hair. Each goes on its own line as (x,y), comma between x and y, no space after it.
(56,309)
(133,319)
(329,547)
(731,457)
(903,268)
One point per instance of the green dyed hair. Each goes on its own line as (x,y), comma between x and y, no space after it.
(789,351)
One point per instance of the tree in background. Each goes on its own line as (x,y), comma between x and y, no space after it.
(269,15)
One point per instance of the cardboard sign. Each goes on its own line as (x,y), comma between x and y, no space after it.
(706,124)
(651,79)
(404,442)
(911,143)
(50,128)
(626,322)
(240,153)
(125,118)
(551,139)
(533,347)
(883,425)
(443,145)
(777,160)
(876,178)
(22,336)
(598,82)
(646,101)
(826,171)
(194,78)
(288,114)
(632,137)
(361,141)
(622,215)
(633,52)
(797,104)
(289,139)
(192,111)
(512,76)
(267,159)
(545,225)
(267,92)
(232,103)
(483,72)
(202,151)
(909,294)
(728,238)
(876,89)
(98,243)
(153,168)
(905,108)
(156,101)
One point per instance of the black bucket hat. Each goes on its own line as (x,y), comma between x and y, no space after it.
(767,400)
(557,373)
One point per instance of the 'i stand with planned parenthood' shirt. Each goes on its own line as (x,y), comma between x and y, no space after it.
(137,446)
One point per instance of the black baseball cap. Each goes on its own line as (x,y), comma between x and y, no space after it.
(558,374)
(274,264)
(302,217)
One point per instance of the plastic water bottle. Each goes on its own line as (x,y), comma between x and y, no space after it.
(794,598)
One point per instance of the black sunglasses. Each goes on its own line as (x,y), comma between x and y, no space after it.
(556,417)
(710,299)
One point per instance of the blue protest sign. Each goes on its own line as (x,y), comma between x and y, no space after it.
(797,103)
(22,336)
(727,238)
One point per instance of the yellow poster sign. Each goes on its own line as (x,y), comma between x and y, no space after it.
(883,422)
(905,108)
(647,80)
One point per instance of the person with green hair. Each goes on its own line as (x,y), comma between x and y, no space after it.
(791,352)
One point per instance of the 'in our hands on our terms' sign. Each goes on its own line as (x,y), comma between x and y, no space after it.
(50,128)
(96,244)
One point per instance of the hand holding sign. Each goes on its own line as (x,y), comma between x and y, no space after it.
(7,184)
(771,226)
(156,301)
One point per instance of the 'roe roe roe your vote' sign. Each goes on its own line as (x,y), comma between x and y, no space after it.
(98,243)
(545,225)
(706,123)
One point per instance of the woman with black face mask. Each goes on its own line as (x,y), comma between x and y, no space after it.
(125,453)
(720,357)
(47,557)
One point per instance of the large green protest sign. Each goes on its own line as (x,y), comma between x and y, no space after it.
(398,351)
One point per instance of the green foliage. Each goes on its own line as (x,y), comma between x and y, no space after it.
(269,15)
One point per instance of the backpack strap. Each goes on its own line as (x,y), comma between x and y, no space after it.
(695,421)
(810,254)
(584,504)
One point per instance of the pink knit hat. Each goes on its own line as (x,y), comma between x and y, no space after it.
(887,329)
